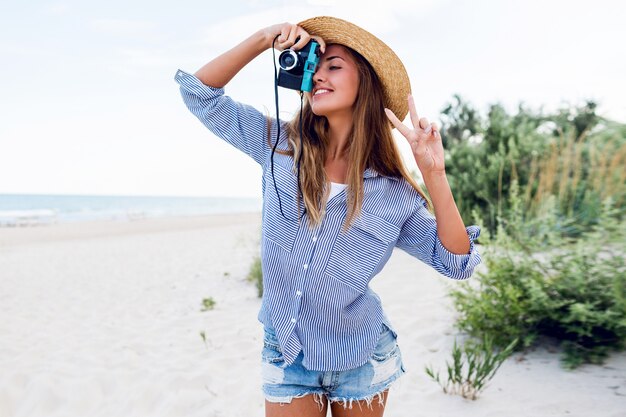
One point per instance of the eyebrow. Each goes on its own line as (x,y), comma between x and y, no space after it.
(333,57)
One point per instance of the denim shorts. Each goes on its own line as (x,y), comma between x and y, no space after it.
(282,384)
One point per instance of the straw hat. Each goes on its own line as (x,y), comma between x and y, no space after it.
(385,62)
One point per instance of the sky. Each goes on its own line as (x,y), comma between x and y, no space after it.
(89,105)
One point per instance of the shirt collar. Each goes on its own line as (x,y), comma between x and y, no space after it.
(370,173)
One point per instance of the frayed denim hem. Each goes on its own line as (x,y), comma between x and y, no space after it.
(317,396)
(369,400)
(347,403)
(320,398)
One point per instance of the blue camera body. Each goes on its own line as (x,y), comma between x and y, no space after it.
(297,67)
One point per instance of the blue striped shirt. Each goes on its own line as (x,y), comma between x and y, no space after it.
(316,280)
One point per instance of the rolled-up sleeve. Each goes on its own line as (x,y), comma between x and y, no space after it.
(419,238)
(239,124)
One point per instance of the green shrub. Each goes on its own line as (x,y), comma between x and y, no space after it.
(573,155)
(542,285)
(256,275)
(472,367)
(208,304)
(500,306)
(583,303)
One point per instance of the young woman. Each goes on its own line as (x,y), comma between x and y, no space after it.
(330,226)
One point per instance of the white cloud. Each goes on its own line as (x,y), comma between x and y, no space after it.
(145,58)
(57,9)
(225,34)
(24,49)
(126,28)
(372,15)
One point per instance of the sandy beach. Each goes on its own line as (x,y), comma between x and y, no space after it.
(105,319)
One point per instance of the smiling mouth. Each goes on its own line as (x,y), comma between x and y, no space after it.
(322,92)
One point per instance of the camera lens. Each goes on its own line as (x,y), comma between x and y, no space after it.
(287,59)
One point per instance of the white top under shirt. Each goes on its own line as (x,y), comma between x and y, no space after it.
(336,188)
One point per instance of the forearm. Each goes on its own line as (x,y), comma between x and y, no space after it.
(450,226)
(222,69)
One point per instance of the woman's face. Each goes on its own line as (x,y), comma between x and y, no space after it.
(335,83)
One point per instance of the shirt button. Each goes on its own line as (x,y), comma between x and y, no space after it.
(305,266)
(314,238)
(298,293)
(293,320)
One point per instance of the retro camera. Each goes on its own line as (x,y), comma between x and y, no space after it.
(297,67)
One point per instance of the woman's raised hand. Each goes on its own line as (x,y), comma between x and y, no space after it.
(287,34)
(425,140)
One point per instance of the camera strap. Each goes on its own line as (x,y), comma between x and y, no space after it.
(278,138)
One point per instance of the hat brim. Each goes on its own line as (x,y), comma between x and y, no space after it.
(388,67)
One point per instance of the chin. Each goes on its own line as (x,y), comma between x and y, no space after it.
(326,109)
(319,110)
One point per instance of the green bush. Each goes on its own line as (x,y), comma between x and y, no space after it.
(472,367)
(574,156)
(208,304)
(540,284)
(256,275)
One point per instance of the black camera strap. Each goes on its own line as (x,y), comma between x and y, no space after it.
(278,138)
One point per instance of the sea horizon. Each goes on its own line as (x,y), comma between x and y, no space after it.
(32,209)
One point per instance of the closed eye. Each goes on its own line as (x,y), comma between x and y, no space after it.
(332,67)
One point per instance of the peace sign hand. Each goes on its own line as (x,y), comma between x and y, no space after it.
(424,139)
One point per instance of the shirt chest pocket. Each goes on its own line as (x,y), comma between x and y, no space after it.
(278,229)
(358,253)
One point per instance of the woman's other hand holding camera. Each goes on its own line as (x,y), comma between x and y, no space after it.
(290,36)
(222,69)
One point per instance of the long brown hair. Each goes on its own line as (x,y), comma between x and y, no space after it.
(371,145)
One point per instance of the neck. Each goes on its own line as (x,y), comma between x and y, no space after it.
(339,130)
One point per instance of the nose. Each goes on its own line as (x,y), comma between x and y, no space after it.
(318,75)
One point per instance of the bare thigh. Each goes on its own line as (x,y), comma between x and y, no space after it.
(360,408)
(306,406)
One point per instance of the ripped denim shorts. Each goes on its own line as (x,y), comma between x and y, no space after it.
(365,383)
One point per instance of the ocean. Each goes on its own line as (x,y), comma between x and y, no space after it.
(25,209)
